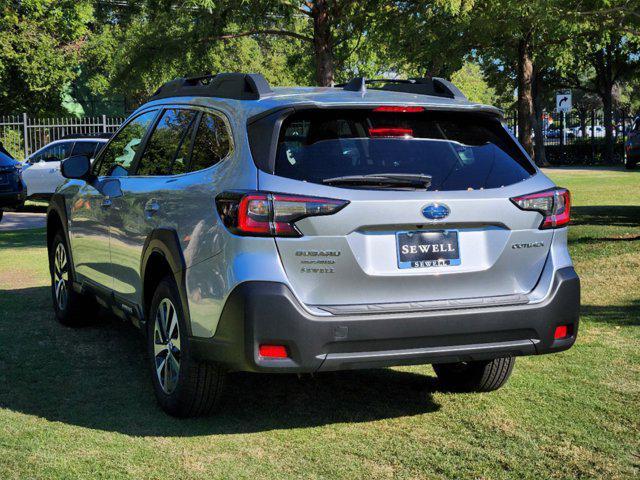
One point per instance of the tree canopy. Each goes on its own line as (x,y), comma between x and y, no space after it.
(40,49)
(81,55)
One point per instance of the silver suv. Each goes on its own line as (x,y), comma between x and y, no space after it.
(372,224)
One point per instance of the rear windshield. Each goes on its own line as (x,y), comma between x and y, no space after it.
(460,151)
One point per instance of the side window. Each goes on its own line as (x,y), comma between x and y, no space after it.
(83,148)
(53,153)
(163,151)
(118,155)
(212,142)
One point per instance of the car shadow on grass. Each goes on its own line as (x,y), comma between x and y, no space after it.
(607,215)
(616,315)
(35,237)
(96,377)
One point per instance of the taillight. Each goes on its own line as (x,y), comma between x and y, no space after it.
(390,132)
(399,109)
(265,214)
(553,204)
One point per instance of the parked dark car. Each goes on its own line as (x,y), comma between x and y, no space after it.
(633,146)
(12,189)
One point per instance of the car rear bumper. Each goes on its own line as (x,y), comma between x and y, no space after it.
(259,313)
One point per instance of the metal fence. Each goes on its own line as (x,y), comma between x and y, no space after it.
(577,127)
(23,135)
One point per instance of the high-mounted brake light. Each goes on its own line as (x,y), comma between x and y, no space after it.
(265,214)
(399,109)
(553,204)
(382,132)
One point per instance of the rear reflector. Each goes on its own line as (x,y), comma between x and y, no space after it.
(399,109)
(561,332)
(553,204)
(273,351)
(391,132)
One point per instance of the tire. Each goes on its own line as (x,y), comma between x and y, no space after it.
(184,387)
(71,308)
(482,376)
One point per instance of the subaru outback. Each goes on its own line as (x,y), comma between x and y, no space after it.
(299,230)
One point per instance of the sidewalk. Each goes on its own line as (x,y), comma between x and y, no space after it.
(22,221)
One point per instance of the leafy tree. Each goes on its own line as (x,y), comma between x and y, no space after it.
(423,38)
(470,80)
(336,38)
(40,44)
(516,38)
(605,52)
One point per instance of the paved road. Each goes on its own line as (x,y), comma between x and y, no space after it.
(22,220)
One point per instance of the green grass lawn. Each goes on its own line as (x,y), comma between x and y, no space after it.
(79,403)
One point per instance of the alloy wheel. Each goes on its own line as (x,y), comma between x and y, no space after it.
(61,277)
(166,345)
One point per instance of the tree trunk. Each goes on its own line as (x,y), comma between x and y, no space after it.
(582,116)
(322,44)
(525,97)
(602,62)
(537,91)
(607,105)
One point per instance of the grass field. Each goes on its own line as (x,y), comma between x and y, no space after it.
(79,404)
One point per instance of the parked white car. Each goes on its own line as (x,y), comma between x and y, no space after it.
(598,131)
(41,170)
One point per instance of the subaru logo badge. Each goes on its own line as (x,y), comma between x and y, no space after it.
(436,211)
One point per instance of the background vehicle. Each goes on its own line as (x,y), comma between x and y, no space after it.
(374,224)
(632,146)
(598,131)
(12,189)
(41,171)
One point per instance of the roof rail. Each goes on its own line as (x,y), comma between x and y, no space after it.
(437,87)
(238,86)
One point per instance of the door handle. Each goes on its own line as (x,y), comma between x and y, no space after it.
(106,203)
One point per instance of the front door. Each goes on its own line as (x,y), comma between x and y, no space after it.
(89,233)
(149,194)
(96,205)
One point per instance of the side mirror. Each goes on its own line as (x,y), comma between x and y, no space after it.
(76,167)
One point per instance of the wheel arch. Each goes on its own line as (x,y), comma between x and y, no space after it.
(162,255)
(57,221)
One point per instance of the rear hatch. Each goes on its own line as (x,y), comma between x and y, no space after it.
(429,217)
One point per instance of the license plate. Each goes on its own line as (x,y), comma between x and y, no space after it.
(428,249)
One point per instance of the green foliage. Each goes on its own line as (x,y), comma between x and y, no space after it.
(11,139)
(470,80)
(422,38)
(40,43)
(163,43)
(80,55)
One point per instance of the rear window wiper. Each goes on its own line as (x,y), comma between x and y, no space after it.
(411,180)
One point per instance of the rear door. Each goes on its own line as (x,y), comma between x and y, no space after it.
(459,238)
